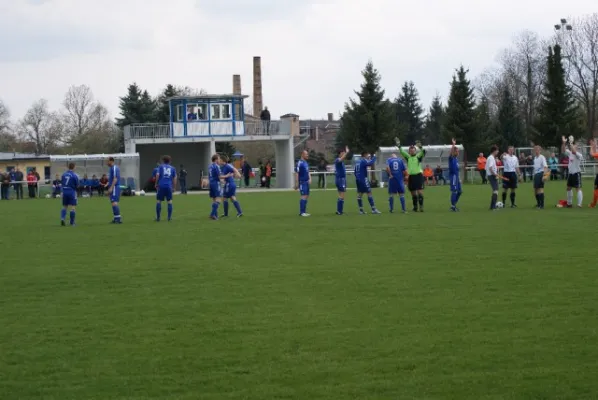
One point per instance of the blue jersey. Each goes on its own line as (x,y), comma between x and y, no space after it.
(453,166)
(114,174)
(228,169)
(215,173)
(339,168)
(397,168)
(303,171)
(70,182)
(361,168)
(166,174)
(155,171)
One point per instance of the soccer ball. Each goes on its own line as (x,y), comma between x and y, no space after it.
(57,196)
(500,205)
(47,196)
(571,139)
(142,193)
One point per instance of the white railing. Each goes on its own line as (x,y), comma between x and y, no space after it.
(163,131)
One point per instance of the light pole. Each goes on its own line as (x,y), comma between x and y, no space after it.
(561,29)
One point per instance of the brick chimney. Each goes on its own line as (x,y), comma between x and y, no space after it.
(258,103)
(237,91)
(330,117)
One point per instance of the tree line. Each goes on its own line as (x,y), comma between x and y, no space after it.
(540,90)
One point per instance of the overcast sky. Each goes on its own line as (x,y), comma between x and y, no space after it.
(312,51)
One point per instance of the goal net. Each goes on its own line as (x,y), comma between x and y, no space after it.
(92,166)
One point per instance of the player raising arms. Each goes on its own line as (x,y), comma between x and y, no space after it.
(70,183)
(541,172)
(492,175)
(511,172)
(594,153)
(114,190)
(229,173)
(165,184)
(574,179)
(363,183)
(396,172)
(302,182)
(454,177)
(215,188)
(340,173)
(415,182)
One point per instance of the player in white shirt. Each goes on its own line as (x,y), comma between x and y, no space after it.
(492,175)
(574,179)
(540,174)
(511,173)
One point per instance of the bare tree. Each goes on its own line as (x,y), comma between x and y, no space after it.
(581,49)
(78,105)
(41,127)
(4,118)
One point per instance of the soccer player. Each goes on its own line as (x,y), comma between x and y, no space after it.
(363,183)
(215,188)
(302,182)
(541,172)
(594,153)
(69,183)
(415,182)
(114,190)
(229,173)
(165,184)
(511,171)
(454,176)
(341,179)
(492,175)
(574,179)
(396,172)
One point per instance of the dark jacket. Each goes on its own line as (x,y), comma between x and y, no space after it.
(265,115)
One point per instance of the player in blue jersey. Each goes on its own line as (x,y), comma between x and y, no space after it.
(229,173)
(396,175)
(215,188)
(454,176)
(114,190)
(302,182)
(363,182)
(165,184)
(340,173)
(69,183)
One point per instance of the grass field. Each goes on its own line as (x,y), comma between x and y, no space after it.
(435,305)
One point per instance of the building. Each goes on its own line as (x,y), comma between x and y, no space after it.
(321,134)
(26,162)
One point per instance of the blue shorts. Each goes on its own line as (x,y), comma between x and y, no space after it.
(164,193)
(455,184)
(396,186)
(115,194)
(304,188)
(69,198)
(230,190)
(341,184)
(215,190)
(364,186)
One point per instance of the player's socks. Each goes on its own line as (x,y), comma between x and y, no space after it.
(541,195)
(340,203)
(595,201)
(459,193)
(569,197)
(391,203)
(414,199)
(453,199)
(421,201)
(537,200)
(302,206)
(237,207)
(215,206)
(512,198)
(225,207)
(402,198)
(116,213)
(72,217)
(158,211)
(579,198)
(360,203)
(493,201)
(63,214)
(371,201)
(169,208)
(504,197)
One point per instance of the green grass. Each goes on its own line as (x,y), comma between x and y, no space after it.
(475,305)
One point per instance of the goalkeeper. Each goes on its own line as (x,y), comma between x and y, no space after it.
(415,182)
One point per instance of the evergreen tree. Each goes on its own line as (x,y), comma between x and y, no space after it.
(131,107)
(148,108)
(225,148)
(484,125)
(433,122)
(508,125)
(162,106)
(409,114)
(558,113)
(368,122)
(460,121)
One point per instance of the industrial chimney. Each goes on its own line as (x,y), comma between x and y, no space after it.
(237,91)
(330,117)
(258,104)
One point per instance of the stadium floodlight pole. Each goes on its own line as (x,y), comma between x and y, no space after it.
(561,29)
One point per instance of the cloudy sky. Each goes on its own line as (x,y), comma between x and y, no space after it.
(312,51)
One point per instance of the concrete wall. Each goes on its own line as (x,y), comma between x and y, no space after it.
(284,163)
(196,157)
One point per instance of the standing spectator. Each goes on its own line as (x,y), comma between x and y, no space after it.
(439,175)
(32,184)
(37,180)
(4,185)
(183,179)
(18,185)
(482,167)
(265,117)
(529,165)
(268,173)
(553,164)
(13,178)
(565,166)
(262,174)
(103,185)
(522,168)
(56,185)
(322,171)
(246,171)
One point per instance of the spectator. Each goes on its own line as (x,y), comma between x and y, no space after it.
(32,184)
(183,179)
(13,178)
(265,117)
(499,162)
(4,185)
(103,185)
(95,185)
(262,174)
(246,170)
(322,171)
(553,164)
(522,163)
(439,175)
(565,166)
(529,165)
(56,185)
(37,179)
(268,173)
(191,116)
(428,175)
(482,167)
(18,185)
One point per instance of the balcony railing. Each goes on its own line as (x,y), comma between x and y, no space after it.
(163,131)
